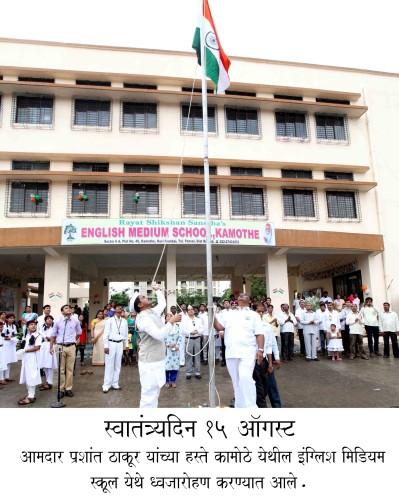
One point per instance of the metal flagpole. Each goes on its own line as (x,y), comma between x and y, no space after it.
(211,344)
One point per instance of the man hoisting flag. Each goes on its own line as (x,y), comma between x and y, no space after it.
(217,63)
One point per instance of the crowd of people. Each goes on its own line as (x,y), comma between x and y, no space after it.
(249,338)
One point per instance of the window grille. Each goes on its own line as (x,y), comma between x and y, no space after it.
(198,170)
(148,202)
(34,109)
(296,174)
(291,124)
(136,168)
(143,86)
(299,203)
(288,97)
(194,201)
(35,79)
(339,176)
(196,90)
(333,101)
(192,118)
(97,202)
(139,115)
(92,113)
(240,93)
(30,165)
(90,167)
(331,127)
(247,201)
(21,194)
(342,205)
(242,121)
(246,172)
(93,83)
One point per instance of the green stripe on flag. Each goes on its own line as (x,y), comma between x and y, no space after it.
(197,44)
(212,67)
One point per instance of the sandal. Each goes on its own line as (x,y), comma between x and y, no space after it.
(46,387)
(82,364)
(10,379)
(174,385)
(3,382)
(84,372)
(89,372)
(26,401)
(167,384)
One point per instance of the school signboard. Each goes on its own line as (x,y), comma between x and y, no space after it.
(165,231)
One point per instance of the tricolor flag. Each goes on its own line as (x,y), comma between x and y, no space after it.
(217,63)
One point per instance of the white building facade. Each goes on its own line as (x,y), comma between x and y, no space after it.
(86,129)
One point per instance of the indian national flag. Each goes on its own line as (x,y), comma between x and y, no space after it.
(217,63)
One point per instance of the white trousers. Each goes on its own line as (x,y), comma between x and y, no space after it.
(113,362)
(7,372)
(241,370)
(310,345)
(49,372)
(31,390)
(2,374)
(152,378)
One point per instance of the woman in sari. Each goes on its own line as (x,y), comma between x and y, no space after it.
(97,330)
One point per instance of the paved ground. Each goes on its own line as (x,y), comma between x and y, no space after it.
(347,384)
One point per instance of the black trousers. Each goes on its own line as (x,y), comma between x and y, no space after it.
(346,344)
(301,340)
(261,383)
(394,340)
(287,345)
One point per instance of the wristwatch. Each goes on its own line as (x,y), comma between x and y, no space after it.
(261,350)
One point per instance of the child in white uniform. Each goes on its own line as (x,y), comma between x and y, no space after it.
(30,370)
(3,361)
(47,361)
(335,343)
(10,344)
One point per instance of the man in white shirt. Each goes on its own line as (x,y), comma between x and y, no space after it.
(115,338)
(355,322)
(287,323)
(331,318)
(344,327)
(40,319)
(243,336)
(183,309)
(389,327)
(310,322)
(371,322)
(203,315)
(152,353)
(298,313)
(325,298)
(193,329)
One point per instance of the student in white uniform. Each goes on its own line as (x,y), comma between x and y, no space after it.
(48,361)
(3,361)
(30,370)
(10,344)
(310,322)
(115,338)
(40,319)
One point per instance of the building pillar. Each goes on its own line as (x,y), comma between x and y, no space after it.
(56,282)
(98,296)
(236,285)
(277,280)
(171,277)
(372,269)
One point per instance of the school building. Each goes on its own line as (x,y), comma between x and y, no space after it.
(101,173)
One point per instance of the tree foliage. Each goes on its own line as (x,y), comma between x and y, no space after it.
(192,299)
(122,297)
(258,287)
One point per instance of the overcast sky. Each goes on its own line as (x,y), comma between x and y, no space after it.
(352,33)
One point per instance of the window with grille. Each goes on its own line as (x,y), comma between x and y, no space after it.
(298,203)
(240,93)
(92,113)
(139,115)
(30,165)
(194,200)
(341,205)
(94,83)
(331,127)
(196,90)
(291,124)
(333,101)
(35,79)
(97,202)
(247,201)
(288,97)
(136,168)
(21,197)
(296,174)
(242,121)
(246,171)
(143,86)
(148,202)
(90,167)
(339,176)
(199,170)
(34,109)
(192,119)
